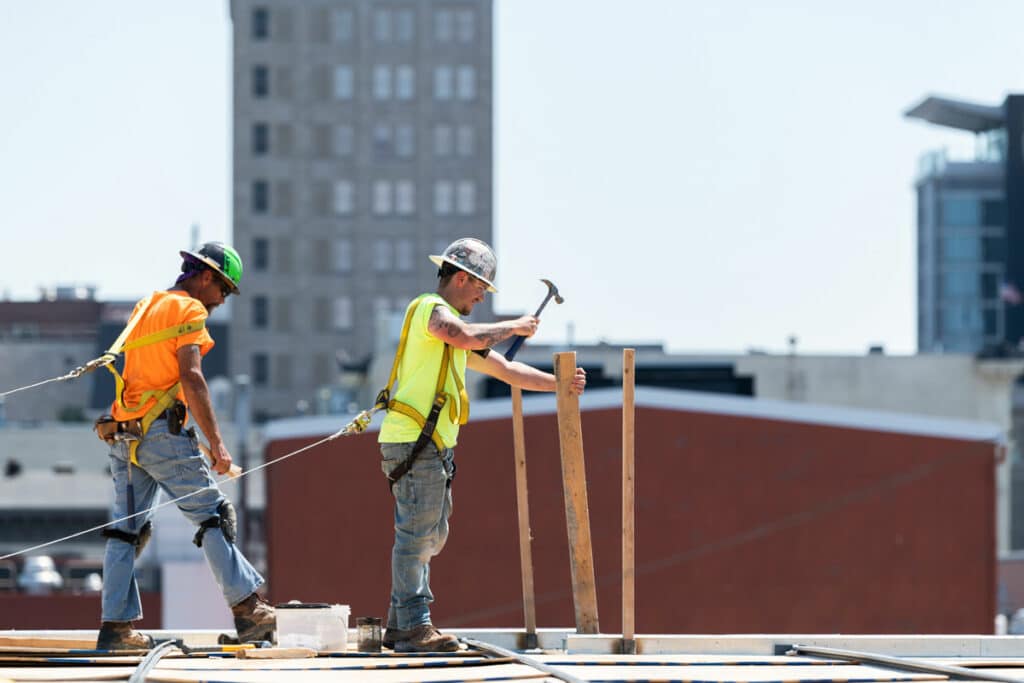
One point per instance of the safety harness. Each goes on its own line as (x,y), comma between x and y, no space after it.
(165,398)
(428,424)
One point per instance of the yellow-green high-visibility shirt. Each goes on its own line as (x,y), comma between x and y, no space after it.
(417,378)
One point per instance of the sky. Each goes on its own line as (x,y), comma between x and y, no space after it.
(713,176)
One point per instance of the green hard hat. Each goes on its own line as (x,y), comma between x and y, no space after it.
(222,259)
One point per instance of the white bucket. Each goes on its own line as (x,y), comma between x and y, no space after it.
(315,625)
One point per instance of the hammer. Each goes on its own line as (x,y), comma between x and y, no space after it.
(552,292)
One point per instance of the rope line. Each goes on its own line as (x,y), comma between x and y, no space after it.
(103,360)
(356,426)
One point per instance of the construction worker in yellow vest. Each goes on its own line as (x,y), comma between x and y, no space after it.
(419,433)
(151,449)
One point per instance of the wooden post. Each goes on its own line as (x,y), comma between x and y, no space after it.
(574,485)
(628,502)
(523,507)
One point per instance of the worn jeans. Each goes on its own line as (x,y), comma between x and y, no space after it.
(423,503)
(172,463)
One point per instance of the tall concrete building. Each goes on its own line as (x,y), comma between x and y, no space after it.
(970,223)
(362,143)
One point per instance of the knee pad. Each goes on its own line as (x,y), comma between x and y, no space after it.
(225,519)
(138,540)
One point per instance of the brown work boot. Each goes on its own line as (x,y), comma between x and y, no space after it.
(119,635)
(426,638)
(254,619)
(392,636)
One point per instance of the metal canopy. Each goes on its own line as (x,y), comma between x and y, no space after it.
(976,118)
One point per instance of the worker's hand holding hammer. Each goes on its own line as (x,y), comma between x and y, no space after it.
(526,326)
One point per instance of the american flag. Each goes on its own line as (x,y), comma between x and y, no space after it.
(1009,293)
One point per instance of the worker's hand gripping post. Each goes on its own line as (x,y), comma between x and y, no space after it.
(552,293)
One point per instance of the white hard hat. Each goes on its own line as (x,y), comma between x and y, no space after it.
(472,256)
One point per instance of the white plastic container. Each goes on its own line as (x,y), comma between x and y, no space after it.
(315,625)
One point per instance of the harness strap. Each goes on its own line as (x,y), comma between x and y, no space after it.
(458,410)
(164,397)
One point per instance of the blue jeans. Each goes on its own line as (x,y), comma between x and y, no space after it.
(423,503)
(174,463)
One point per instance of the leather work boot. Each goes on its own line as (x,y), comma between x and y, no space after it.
(392,636)
(254,619)
(119,635)
(426,638)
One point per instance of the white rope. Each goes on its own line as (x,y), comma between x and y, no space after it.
(105,359)
(356,426)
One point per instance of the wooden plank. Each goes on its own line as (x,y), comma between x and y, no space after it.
(55,643)
(628,502)
(523,508)
(277,653)
(574,485)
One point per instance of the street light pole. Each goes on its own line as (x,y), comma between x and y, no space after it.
(243,416)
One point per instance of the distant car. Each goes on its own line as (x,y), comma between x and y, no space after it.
(40,575)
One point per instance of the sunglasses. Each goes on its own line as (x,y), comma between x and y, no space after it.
(225,289)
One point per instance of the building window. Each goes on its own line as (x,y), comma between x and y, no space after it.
(465,25)
(341,255)
(466,83)
(341,25)
(282,371)
(381,255)
(381,307)
(260,315)
(382,26)
(260,81)
(443,26)
(405,197)
(260,253)
(382,144)
(341,318)
(442,141)
(465,141)
(442,200)
(260,23)
(403,255)
(405,82)
(961,248)
(465,198)
(405,141)
(961,212)
(343,140)
(443,83)
(993,213)
(382,82)
(260,196)
(344,83)
(382,197)
(343,197)
(260,139)
(961,284)
(405,26)
(260,369)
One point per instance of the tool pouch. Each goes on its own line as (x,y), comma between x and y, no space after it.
(110,430)
(175,417)
(106,427)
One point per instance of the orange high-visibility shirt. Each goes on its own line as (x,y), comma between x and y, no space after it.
(155,366)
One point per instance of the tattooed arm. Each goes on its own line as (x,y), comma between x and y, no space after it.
(522,375)
(450,329)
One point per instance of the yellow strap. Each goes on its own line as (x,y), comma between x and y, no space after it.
(165,334)
(410,412)
(164,401)
(458,411)
(164,397)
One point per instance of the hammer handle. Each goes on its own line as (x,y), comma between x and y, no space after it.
(514,349)
(235,469)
